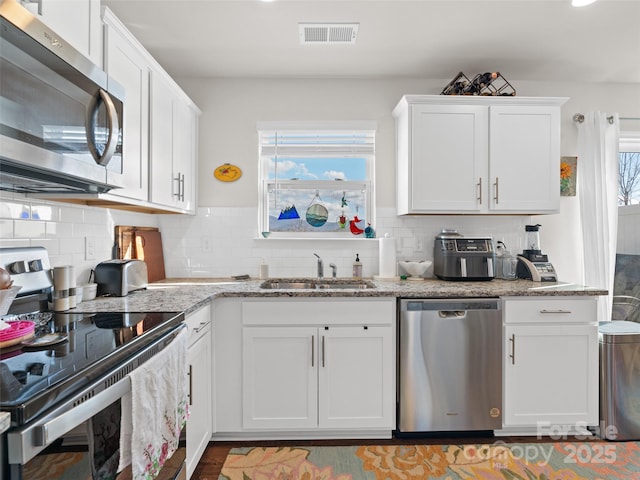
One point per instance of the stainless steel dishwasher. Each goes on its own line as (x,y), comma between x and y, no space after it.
(450,365)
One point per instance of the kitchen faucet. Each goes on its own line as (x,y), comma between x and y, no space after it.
(334,270)
(320,266)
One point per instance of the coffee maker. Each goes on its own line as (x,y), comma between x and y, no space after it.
(532,263)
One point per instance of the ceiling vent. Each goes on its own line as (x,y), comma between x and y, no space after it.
(327,33)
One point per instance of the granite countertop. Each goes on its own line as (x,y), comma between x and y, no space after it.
(187,294)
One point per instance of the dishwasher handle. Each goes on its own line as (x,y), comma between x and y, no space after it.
(460,305)
(452,313)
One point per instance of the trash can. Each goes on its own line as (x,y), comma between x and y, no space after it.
(619,380)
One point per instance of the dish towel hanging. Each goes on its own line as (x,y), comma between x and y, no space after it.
(155,411)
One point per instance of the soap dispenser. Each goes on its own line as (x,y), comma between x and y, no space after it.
(357,268)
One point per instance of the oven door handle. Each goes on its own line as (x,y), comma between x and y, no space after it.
(55,428)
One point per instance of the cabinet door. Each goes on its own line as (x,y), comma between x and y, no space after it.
(76,21)
(126,64)
(163,186)
(356,372)
(183,154)
(524,151)
(199,425)
(550,375)
(279,378)
(448,158)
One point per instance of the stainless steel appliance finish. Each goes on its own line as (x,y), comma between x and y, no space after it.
(60,115)
(619,380)
(458,257)
(532,263)
(65,397)
(450,365)
(120,277)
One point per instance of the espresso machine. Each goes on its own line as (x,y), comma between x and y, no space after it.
(532,263)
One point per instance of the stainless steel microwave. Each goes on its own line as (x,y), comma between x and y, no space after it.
(60,115)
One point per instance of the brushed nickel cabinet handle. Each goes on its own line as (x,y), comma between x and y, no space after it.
(512,355)
(480,190)
(545,311)
(202,325)
(497,192)
(313,349)
(177,180)
(190,385)
(323,351)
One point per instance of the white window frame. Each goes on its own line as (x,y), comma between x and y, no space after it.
(264,181)
(629,142)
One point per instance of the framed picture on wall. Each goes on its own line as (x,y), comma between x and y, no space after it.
(568,167)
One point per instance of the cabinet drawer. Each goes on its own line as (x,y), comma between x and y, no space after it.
(197,321)
(550,310)
(334,311)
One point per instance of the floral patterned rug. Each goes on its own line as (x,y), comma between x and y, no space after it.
(496,461)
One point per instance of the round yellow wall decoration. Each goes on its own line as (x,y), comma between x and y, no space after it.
(227,173)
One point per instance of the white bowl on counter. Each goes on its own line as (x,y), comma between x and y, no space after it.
(415,270)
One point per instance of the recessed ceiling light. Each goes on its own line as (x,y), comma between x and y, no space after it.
(581,3)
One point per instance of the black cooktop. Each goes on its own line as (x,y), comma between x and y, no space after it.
(80,348)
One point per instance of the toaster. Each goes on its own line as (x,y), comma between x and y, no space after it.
(120,277)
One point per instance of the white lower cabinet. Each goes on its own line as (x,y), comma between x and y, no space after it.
(305,377)
(309,367)
(550,365)
(279,377)
(199,424)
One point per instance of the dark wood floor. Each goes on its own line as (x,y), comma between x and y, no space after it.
(213,458)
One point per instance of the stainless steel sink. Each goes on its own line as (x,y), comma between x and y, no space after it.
(325,284)
(284,285)
(345,285)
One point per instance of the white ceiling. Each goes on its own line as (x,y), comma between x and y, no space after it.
(523,39)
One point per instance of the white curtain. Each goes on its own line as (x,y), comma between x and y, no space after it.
(597,184)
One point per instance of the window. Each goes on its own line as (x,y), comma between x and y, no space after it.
(317,181)
(629,168)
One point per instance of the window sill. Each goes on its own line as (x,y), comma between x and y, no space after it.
(273,238)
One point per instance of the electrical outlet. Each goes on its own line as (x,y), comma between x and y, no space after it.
(89,248)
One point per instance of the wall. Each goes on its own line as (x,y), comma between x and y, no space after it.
(231,108)
(221,239)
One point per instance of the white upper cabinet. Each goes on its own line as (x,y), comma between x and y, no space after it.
(76,21)
(524,158)
(173,151)
(477,155)
(127,63)
(160,127)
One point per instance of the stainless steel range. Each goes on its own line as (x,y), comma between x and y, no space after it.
(64,393)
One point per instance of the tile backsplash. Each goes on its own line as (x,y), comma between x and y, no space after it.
(73,235)
(222,241)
